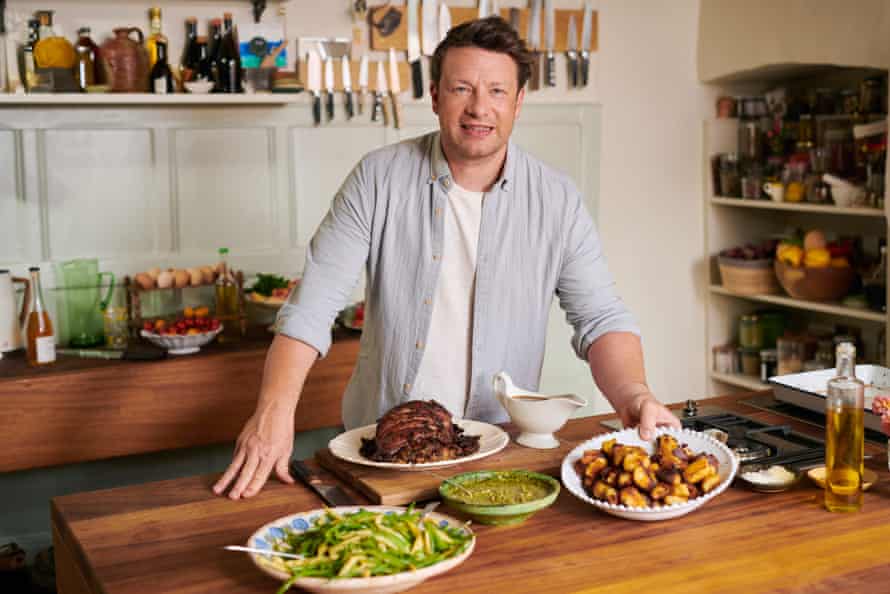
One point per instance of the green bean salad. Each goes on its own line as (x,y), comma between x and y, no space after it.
(367,543)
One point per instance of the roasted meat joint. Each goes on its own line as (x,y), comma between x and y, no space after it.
(418,431)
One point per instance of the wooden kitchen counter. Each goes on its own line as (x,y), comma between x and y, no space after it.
(86,409)
(165,538)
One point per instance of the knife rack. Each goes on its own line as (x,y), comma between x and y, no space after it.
(404,75)
(398,40)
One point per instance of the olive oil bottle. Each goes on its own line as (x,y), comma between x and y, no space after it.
(844,434)
(228,310)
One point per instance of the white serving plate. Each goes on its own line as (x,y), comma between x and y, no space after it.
(492,440)
(808,389)
(698,442)
(265,537)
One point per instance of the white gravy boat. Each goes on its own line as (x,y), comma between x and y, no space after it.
(538,416)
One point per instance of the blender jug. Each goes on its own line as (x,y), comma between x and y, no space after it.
(81,320)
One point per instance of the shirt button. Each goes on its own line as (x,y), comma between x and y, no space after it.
(446,183)
(427,301)
(438,212)
(419,344)
(406,388)
(435,257)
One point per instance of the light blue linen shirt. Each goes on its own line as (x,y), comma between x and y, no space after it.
(536,241)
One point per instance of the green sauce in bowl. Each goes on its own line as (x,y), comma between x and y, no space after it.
(499,497)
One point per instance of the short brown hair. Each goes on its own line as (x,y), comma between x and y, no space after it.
(491,33)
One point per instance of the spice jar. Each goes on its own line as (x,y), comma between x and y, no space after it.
(769,359)
(790,355)
(725,359)
(750,361)
(730,180)
(750,332)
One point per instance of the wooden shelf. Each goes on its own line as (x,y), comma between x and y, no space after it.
(797,207)
(742,381)
(828,308)
(75,99)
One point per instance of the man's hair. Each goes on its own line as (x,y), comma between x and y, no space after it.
(491,33)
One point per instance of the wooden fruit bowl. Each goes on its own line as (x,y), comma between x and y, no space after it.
(815,284)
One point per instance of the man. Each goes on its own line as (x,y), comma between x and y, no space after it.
(465,239)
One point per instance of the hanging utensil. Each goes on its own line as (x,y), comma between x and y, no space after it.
(572,53)
(414,48)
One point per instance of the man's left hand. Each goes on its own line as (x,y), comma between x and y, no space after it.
(647,413)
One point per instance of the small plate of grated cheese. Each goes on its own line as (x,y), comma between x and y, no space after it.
(768,478)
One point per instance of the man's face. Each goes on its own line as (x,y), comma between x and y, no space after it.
(477,101)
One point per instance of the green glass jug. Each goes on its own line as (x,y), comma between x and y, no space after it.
(80,284)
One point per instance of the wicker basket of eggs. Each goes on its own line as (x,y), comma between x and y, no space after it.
(175,278)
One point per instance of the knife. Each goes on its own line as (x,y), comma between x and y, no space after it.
(111,355)
(395,87)
(379,95)
(534,44)
(549,41)
(414,48)
(586,30)
(514,19)
(329,87)
(429,15)
(362,83)
(346,75)
(313,64)
(572,53)
(444,21)
(332,495)
(484,9)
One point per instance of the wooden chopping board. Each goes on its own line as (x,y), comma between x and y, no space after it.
(396,487)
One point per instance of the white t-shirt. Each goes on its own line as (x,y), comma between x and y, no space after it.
(444,373)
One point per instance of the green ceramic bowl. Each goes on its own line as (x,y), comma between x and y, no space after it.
(453,492)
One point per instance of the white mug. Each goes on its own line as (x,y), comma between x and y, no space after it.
(775,190)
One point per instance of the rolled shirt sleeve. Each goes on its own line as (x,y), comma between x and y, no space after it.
(334,260)
(585,288)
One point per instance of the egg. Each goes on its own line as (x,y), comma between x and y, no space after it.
(208,274)
(165,279)
(144,281)
(196,277)
(180,278)
(154,273)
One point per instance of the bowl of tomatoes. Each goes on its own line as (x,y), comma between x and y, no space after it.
(185,334)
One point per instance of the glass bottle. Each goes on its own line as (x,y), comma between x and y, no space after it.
(29,69)
(114,320)
(844,433)
(41,343)
(161,78)
(52,51)
(229,63)
(214,47)
(189,63)
(87,58)
(204,71)
(154,35)
(228,311)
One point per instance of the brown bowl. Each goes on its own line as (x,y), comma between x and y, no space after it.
(815,284)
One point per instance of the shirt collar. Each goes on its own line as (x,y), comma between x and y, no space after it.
(441,172)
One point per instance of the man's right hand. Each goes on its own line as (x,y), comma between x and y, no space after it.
(265,443)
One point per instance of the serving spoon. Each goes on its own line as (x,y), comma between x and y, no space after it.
(263,552)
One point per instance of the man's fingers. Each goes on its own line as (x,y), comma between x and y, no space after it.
(230,472)
(247,472)
(282,471)
(260,476)
(648,411)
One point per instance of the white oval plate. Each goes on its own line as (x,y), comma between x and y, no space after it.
(265,536)
(492,440)
(698,442)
